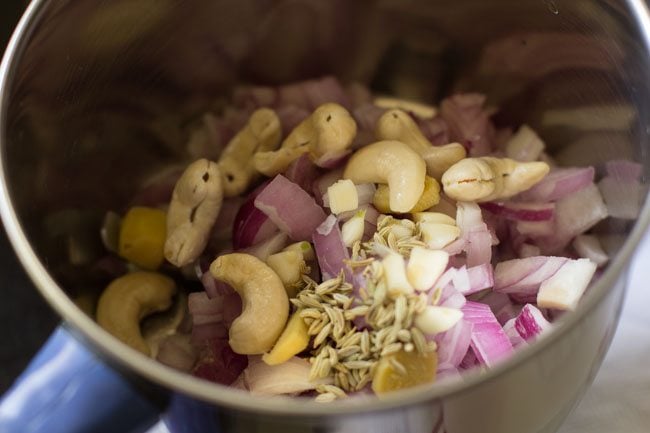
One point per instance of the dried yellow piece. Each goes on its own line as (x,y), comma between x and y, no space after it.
(142,237)
(430,197)
(293,340)
(404,370)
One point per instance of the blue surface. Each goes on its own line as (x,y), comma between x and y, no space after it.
(67,389)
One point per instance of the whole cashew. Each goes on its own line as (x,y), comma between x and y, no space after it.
(130,298)
(262,133)
(397,125)
(488,178)
(265,305)
(394,163)
(195,205)
(328,132)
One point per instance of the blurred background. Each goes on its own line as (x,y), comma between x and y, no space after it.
(24,316)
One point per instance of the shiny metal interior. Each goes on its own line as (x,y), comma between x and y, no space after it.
(99,95)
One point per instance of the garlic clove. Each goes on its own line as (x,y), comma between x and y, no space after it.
(343,196)
(425,266)
(352,229)
(394,271)
(435,319)
(437,235)
(433,217)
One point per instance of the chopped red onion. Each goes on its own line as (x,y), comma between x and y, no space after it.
(251,225)
(200,303)
(574,214)
(451,298)
(489,341)
(513,335)
(535,229)
(479,246)
(358,93)
(323,90)
(530,322)
(495,300)
(330,249)
(293,94)
(435,130)
(253,97)
(460,280)
(303,172)
(588,246)
(264,249)
(333,159)
(509,311)
(206,319)
(365,193)
(291,208)
(290,116)
(565,288)
(558,184)
(480,277)
(469,123)
(528,250)
(325,181)
(209,331)
(215,288)
(456,247)
(520,211)
(367,116)
(524,276)
(453,344)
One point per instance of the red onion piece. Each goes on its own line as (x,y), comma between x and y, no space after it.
(574,214)
(366,193)
(509,311)
(251,225)
(330,249)
(460,280)
(232,308)
(479,246)
(290,377)
(435,130)
(535,229)
(495,300)
(489,341)
(456,247)
(209,331)
(333,159)
(558,184)
(213,287)
(303,172)
(624,170)
(272,245)
(291,208)
(524,276)
(513,335)
(521,211)
(453,344)
(253,97)
(451,297)
(480,277)
(290,117)
(218,363)
(326,89)
(206,319)
(530,322)
(367,116)
(200,303)
(469,123)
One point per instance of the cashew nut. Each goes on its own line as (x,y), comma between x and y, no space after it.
(397,125)
(265,305)
(423,111)
(327,133)
(488,178)
(394,163)
(262,133)
(130,298)
(430,197)
(195,205)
